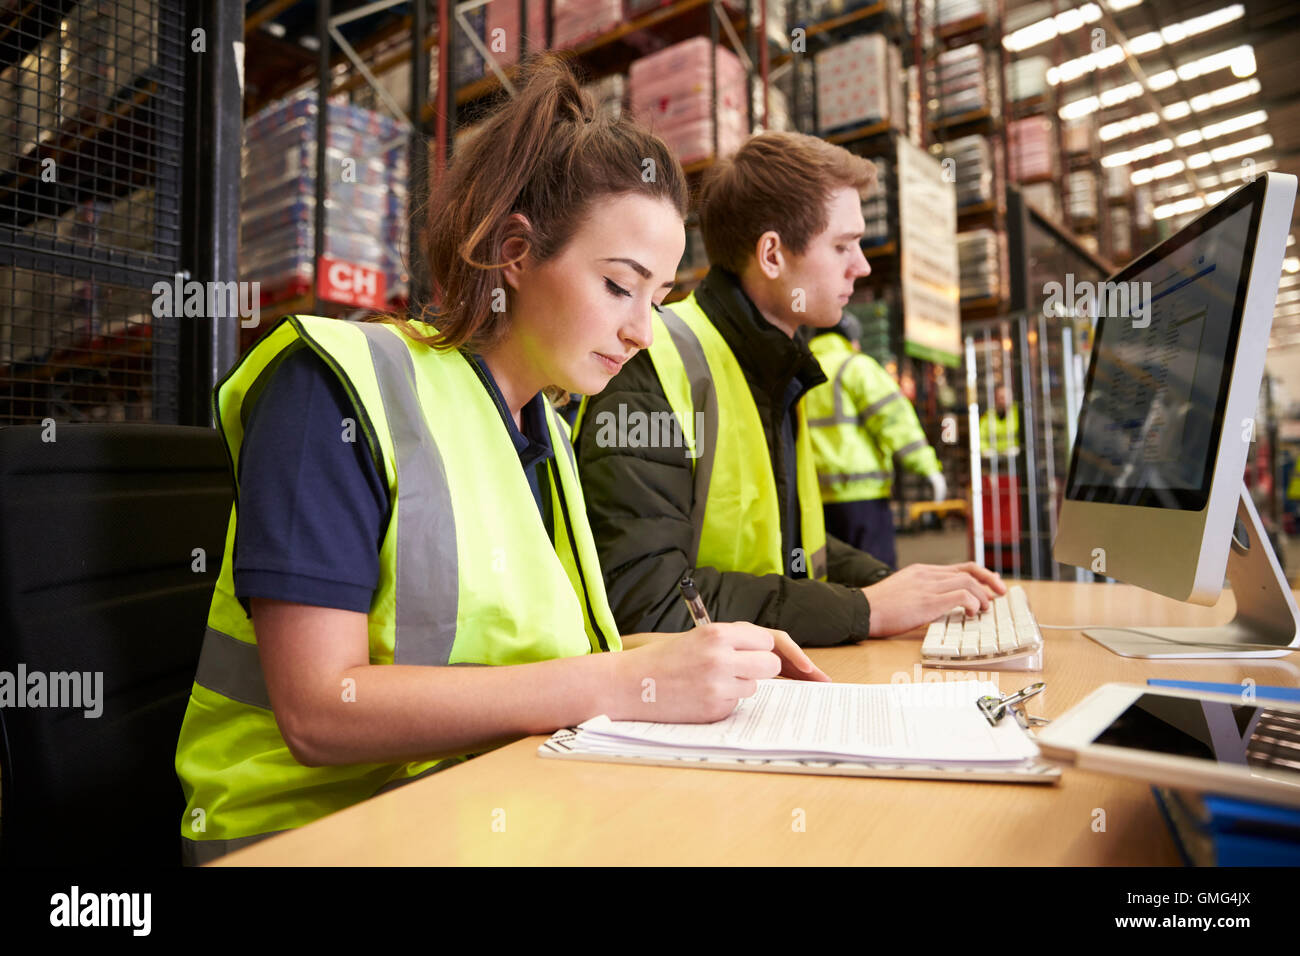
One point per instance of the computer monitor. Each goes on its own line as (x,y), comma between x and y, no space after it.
(1156,478)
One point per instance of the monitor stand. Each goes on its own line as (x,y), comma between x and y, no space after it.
(1267,623)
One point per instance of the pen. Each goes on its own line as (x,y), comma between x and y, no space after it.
(693,603)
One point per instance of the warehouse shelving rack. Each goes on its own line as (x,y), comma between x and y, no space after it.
(741,27)
(437,108)
(867,139)
(911,31)
(984,29)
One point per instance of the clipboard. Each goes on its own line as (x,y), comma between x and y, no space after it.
(1030,771)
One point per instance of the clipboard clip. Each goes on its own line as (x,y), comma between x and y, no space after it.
(995,708)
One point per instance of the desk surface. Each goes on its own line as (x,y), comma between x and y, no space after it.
(513,807)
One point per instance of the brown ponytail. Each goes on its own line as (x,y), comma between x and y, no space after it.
(547,153)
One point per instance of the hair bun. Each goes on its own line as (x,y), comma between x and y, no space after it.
(573,97)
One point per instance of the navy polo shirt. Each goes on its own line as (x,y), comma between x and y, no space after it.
(313,509)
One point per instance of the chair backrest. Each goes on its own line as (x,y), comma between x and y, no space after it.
(104,595)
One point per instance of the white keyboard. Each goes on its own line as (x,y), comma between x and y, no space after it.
(1007,631)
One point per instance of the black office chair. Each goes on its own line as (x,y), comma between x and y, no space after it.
(98,531)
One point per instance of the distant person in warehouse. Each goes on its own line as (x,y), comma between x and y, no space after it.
(736,503)
(1000,427)
(860,423)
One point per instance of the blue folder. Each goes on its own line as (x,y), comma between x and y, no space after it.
(1243,832)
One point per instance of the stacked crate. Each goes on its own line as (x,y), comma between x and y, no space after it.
(1027,78)
(972,169)
(978,262)
(576,21)
(503,35)
(670,92)
(859,82)
(1081,194)
(1032,150)
(875,207)
(963,82)
(365,195)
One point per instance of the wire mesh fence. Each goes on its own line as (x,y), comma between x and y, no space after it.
(91,127)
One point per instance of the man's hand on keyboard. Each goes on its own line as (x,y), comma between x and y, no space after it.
(919,593)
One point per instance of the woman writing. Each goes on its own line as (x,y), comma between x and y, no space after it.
(406,498)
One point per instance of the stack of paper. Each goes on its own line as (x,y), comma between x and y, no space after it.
(794,720)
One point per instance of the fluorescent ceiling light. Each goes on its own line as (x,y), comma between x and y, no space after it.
(1231,151)
(1067,21)
(1090,104)
(1113,54)
(1162,171)
(1240,59)
(1222,128)
(1071,70)
(1134,124)
(1191,138)
(1237,123)
(1174,111)
(1191,204)
(1127,156)
(1145,43)
(1177,32)
(1221,96)
(1121,94)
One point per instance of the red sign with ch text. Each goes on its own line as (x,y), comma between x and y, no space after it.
(349,283)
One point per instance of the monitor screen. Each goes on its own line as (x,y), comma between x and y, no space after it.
(1158,382)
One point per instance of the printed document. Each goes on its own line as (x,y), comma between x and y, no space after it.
(800,720)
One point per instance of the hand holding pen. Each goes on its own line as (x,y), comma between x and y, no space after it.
(795,664)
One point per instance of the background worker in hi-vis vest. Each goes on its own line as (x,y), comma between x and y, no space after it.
(1000,427)
(738,506)
(860,423)
(407,498)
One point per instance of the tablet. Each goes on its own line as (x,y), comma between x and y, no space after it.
(1224,743)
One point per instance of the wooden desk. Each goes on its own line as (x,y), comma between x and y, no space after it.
(560,812)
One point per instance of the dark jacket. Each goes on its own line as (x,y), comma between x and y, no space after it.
(639,499)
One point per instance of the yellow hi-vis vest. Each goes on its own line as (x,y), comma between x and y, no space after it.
(467,573)
(855,439)
(1000,436)
(735,514)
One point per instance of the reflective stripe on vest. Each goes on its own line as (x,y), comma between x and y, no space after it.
(496,591)
(840,415)
(735,515)
(852,446)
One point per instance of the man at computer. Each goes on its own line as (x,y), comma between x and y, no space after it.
(737,505)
